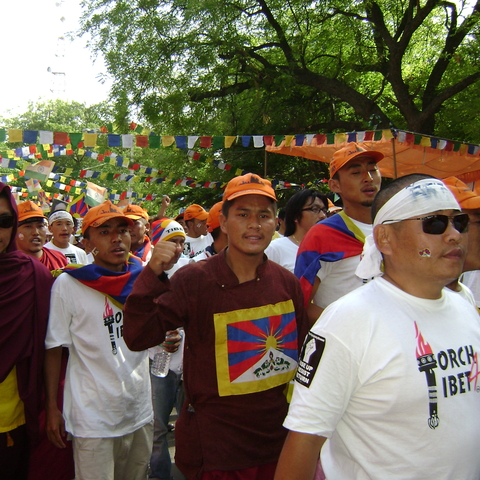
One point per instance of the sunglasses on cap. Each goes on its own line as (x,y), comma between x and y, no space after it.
(6,221)
(438,224)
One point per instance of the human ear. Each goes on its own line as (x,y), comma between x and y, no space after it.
(334,185)
(382,235)
(223,220)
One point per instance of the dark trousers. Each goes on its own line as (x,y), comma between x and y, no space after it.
(14,450)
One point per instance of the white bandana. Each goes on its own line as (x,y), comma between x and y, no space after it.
(59,215)
(419,198)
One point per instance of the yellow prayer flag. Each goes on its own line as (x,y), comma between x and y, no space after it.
(90,139)
(167,140)
(68,171)
(229,141)
(15,135)
(387,134)
(288,140)
(425,142)
(81,151)
(49,183)
(340,137)
(103,176)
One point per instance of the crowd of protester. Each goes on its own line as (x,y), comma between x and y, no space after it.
(361,309)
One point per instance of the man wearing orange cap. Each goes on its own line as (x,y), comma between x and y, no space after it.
(469,202)
(107,401)
(198,239)
(330,251)
(220,239)
(244,322)
(141,245)
(32,236)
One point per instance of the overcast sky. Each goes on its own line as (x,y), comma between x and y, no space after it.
(30,32)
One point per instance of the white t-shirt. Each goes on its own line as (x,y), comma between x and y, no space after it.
(283,251)
(195,246)
(338,278)
(466,293)
(107,386)
(73,253)
(370,398)
(472,281)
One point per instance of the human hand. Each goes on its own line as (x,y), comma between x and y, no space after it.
(55,427)
(162,257)
(172,341)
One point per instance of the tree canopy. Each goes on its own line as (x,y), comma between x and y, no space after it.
(273,67)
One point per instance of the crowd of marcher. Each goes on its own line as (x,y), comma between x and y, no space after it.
(363,310)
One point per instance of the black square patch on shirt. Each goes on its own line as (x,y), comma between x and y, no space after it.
(310,356)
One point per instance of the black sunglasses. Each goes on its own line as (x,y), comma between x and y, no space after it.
(437,224)
(6,221)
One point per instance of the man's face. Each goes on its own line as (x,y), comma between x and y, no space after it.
(358,182)
(61,232)
(137,232)
(250,224)
(197,228)
(32,236)
(424,259)
(179,241)
(5,233)
(109,243)
(472,261)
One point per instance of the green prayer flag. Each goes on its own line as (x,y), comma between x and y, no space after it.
(218,142)
(154,141)
(75,139)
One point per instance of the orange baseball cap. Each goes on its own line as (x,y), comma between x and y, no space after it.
(28,210)
(195,211)
(467,199)
(98,215)
(352,150)
(213,220)
(135,212)
(332,207)
(249,184)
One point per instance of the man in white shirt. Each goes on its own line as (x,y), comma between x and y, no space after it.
(107,400)
(330,251)
(198,239)
(60,224)
(388,381)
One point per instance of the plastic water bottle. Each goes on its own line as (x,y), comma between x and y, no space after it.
(161,364)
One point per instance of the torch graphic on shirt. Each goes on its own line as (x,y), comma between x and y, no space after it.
(426,363)
(108,321)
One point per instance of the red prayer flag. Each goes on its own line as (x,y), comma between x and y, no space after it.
(141,140)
